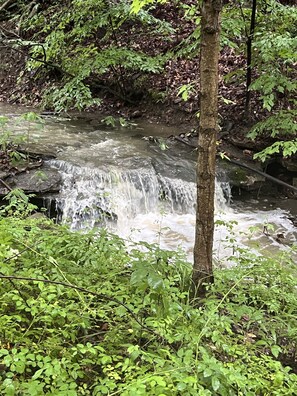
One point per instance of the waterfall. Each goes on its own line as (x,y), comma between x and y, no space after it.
(122,180)
(140,204)
(94,197)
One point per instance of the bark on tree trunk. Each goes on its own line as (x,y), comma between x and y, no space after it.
(249,61)
(208,127)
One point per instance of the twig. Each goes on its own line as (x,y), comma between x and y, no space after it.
(5,185)
(244,20)
(10,280)
(82,289)
(16,288)
(6,4)
(18,253)
(3,29)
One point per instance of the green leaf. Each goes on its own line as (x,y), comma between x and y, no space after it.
(155,281)
(215,383)
(138,276)
(207,372)
(38,373)
(275,350)
(10,390)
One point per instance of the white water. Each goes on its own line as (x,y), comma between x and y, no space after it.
(117,174)
(141,205)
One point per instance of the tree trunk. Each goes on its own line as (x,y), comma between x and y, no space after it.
(208,127)
(249,61)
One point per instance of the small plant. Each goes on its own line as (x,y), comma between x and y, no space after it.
(187,90)
(109,121)
(74,323)
(10,142)
(18,204)
(113,122)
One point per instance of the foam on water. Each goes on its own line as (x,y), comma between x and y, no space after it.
(141,205)
(116,179)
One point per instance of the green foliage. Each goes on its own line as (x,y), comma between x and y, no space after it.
(18,204)
(274,49)
(10,152)
(276,58)
(281,125)
(287,149)
(135,332)
(73,94)
(82,43)
(278,125)
(186,90)
(113,122)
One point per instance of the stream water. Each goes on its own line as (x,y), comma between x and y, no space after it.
(120,178)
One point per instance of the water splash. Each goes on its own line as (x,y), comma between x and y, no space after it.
(143,205)
(91,197)
(137,204)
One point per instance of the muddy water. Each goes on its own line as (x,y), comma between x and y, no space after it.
(125,179)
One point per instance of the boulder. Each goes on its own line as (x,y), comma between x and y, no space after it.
(240,177)
(36,181)
(290,163)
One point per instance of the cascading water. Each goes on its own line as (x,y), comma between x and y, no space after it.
(139,204)
(116,179)
(92,196)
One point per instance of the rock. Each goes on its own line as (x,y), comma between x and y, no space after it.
(136,114)
(38,151)
(37,215)
(175,168)
(240,177)
(37,181)
(290,164)
(3,175)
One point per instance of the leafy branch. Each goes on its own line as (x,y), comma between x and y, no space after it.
(87,291)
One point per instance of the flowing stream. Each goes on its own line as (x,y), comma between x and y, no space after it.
(127,180)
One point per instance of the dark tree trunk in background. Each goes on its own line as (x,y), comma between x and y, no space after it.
(249,60)
(209,57)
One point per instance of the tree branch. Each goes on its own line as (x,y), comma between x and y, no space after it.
(238,163)
(5,185)
(273,179)
(87,291)
(6,4)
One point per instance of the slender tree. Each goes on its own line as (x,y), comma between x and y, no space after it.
(249,60)
(208,127)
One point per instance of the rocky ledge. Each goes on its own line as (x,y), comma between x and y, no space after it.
(27,171)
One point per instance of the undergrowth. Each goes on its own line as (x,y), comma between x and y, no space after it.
(82,315)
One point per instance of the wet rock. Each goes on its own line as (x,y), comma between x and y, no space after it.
(38,151)
(37,181)
(290,164)
(240,177)
(176,168)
